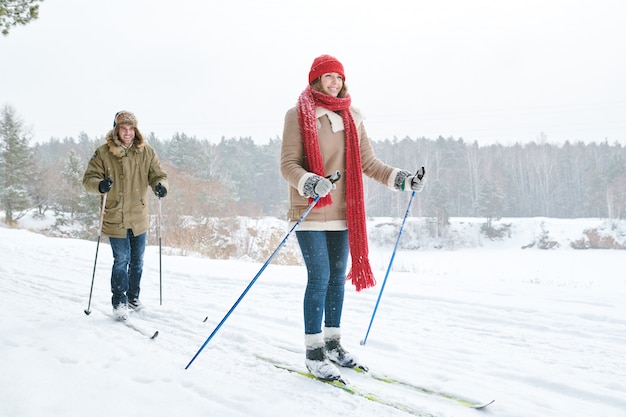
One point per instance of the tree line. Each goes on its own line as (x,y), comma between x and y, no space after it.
(238,177)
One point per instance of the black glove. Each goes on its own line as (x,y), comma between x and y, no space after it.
(105,185)
(160,191)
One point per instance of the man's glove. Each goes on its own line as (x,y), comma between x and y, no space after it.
(105,185)
(415,182)
(160,191)
(317,186)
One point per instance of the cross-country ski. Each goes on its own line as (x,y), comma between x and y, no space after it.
(131,323)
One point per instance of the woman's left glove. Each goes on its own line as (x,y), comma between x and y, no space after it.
(406,181)
(415,183)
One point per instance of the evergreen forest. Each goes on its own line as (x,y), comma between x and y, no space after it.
(238,177)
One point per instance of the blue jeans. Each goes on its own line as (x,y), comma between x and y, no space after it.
(127,267)
(325,254)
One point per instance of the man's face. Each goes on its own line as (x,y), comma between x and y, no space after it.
(126,134)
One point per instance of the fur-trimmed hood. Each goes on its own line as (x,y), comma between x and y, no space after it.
(115,145)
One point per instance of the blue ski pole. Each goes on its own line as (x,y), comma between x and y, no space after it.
(333,178)
(420,175)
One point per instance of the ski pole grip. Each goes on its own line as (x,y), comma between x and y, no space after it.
(335,177)
(419,175)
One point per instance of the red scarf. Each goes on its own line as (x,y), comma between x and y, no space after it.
(361,273)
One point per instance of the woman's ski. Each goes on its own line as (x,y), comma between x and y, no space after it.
(428,391)
(352,389)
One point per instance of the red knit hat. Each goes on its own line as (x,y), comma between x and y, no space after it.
(323,65)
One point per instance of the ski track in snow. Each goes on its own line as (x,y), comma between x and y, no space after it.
(541,333)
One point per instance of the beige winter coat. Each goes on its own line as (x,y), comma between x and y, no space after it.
(331,137)
(132,170)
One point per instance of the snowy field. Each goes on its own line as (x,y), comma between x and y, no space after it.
(543,333)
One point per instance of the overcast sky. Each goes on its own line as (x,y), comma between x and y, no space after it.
(487,71)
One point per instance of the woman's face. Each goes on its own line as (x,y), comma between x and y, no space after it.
(331,83)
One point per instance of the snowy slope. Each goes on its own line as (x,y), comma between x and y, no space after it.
(541,332)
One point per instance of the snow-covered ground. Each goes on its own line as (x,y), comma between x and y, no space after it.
(543,332)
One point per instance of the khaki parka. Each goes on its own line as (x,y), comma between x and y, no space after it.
(132,170)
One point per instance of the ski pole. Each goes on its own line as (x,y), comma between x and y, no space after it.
(420,175)
(333,178)
(160,267)
(104,200)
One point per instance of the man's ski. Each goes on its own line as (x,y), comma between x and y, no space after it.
(148,333)
(136,327)
(428,391)
(345,386)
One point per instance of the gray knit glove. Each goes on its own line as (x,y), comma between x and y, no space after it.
(414,183)
(317,186)
(407,181)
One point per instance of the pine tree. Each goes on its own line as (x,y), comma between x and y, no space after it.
(17,12)
(490,203)
(72,184)
(16,166)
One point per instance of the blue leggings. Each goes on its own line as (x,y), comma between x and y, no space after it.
(325,254)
